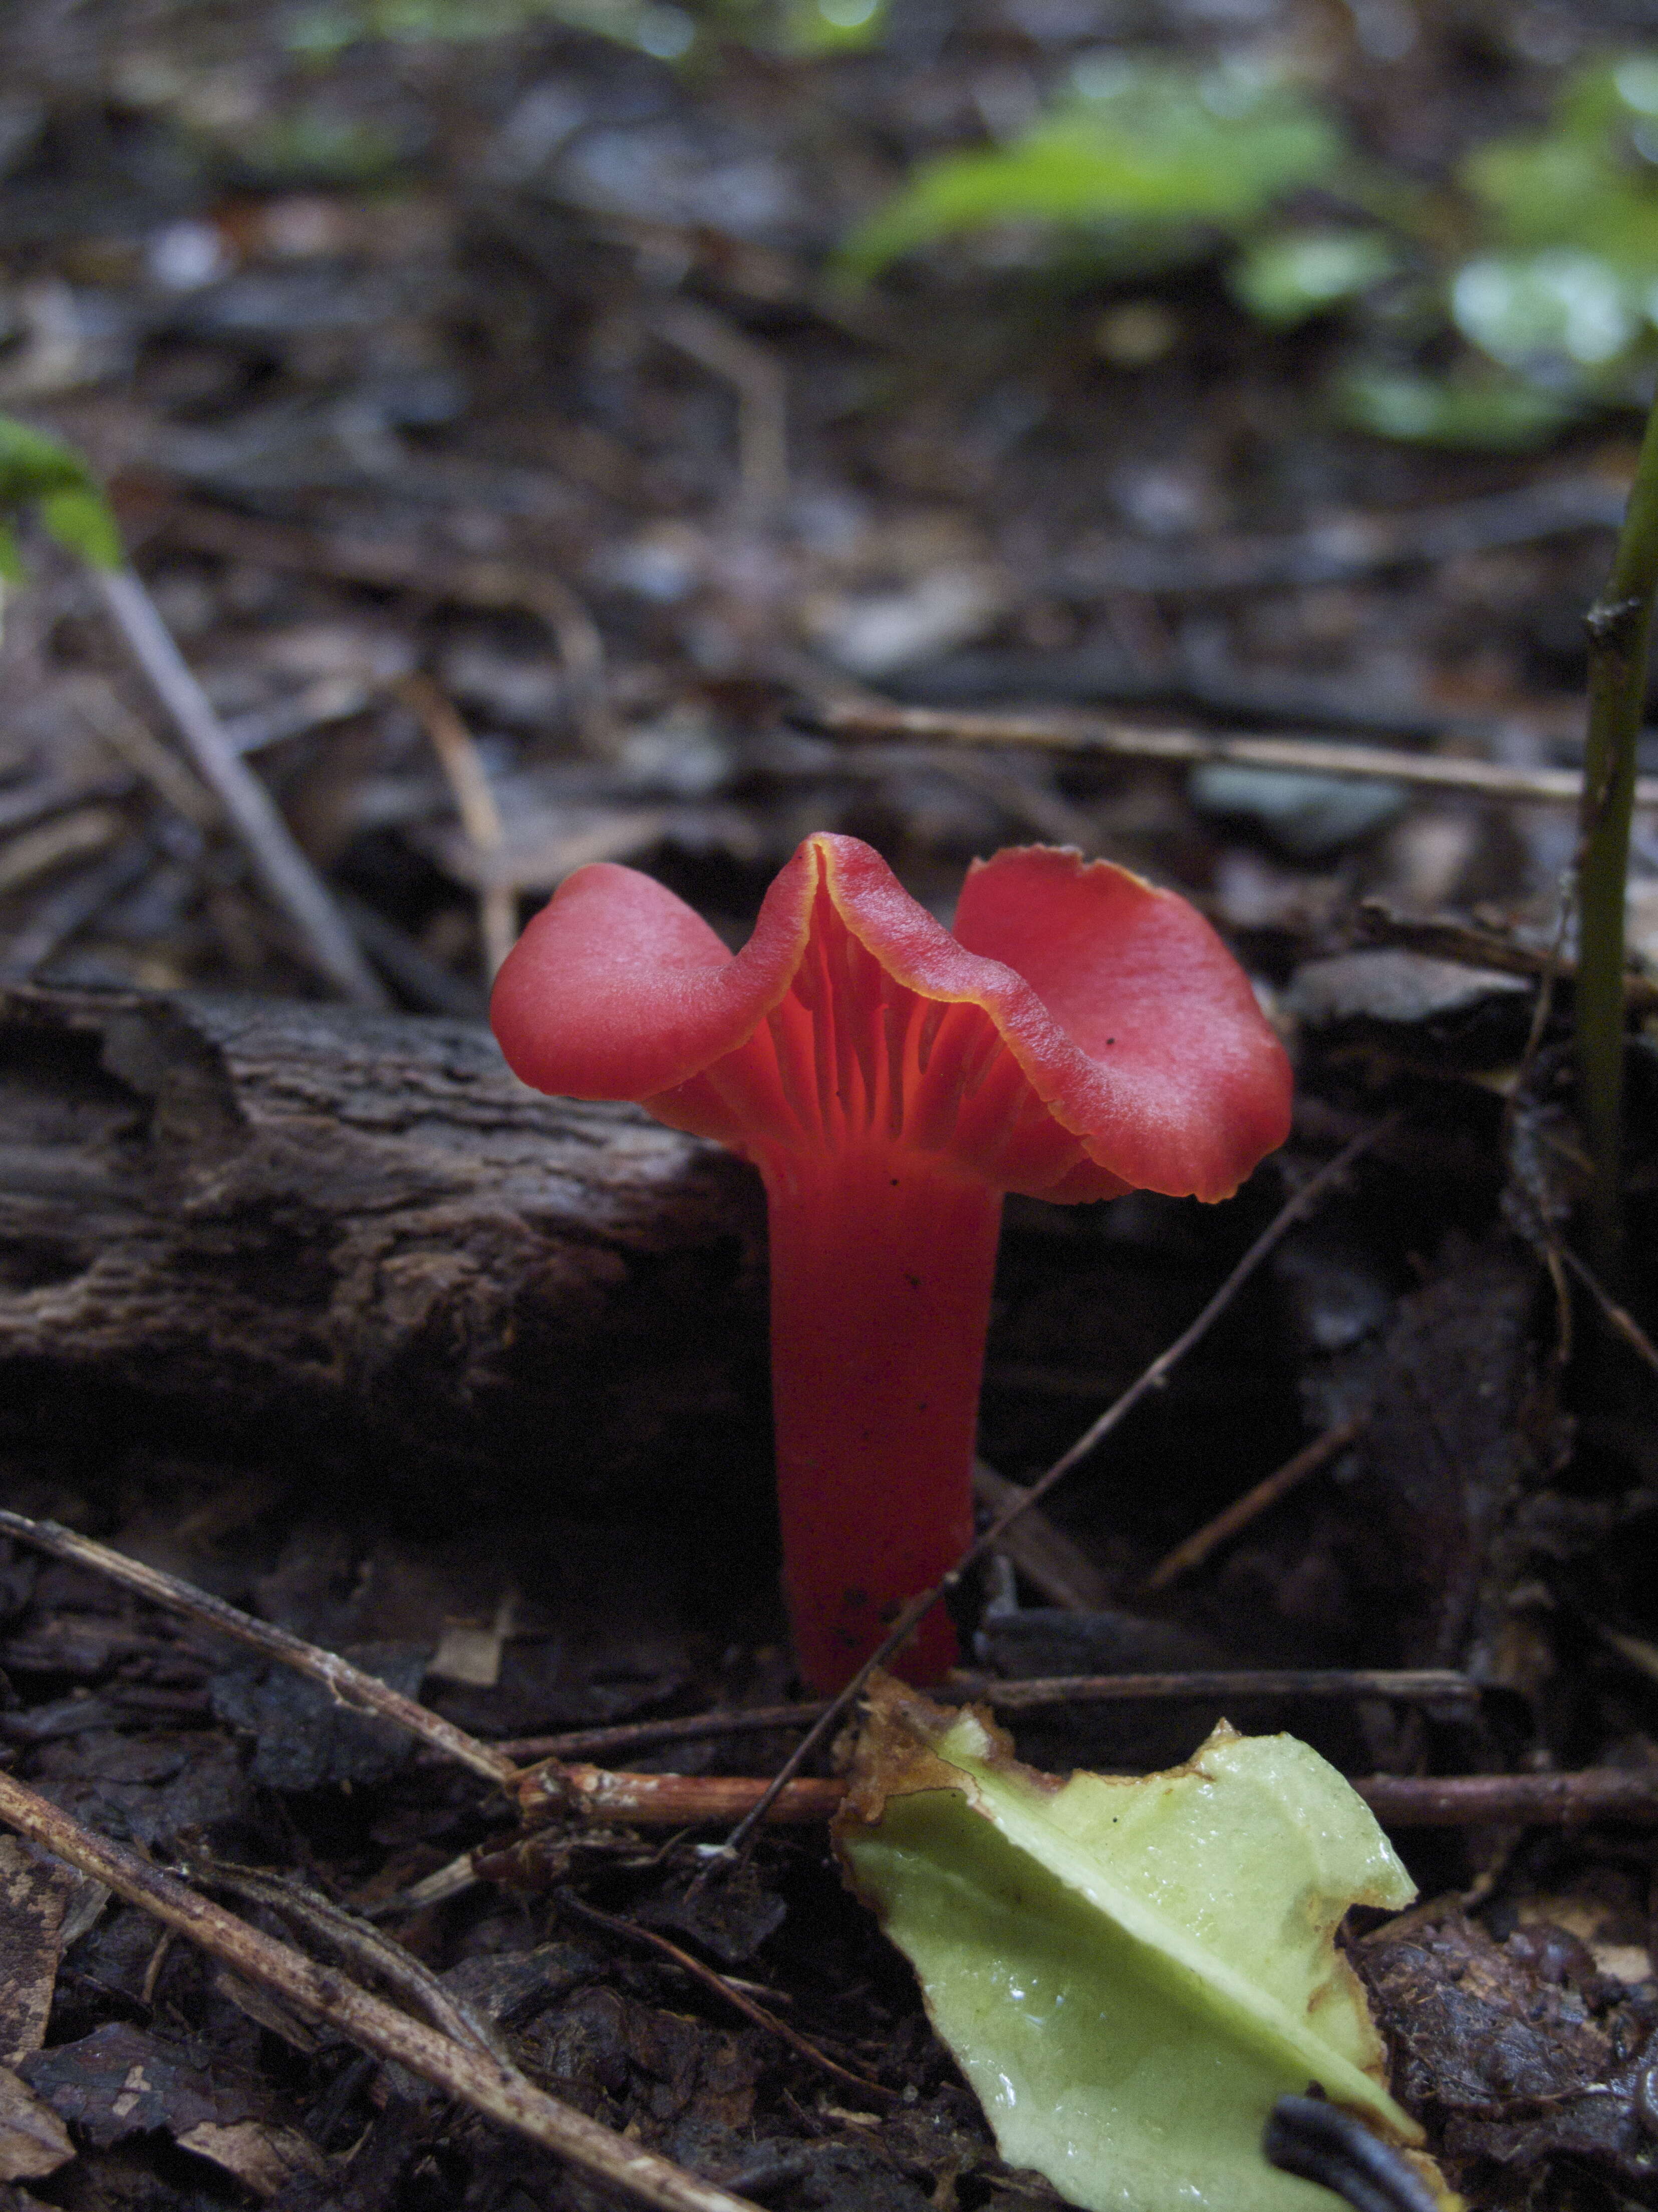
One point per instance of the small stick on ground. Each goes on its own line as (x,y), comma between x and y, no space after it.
(757,378)
(1153,1378)
(349,1684)
(1480,1801)
(284,869)
(369,1950)
(1399,1801)
(1430,1686)
(475,803)
(137,744)
(65,911)
(1102,734)
(627,1736)
(750,2008)
(1197,1547)
(1409,1685)
(474,2077)
(1058,1570)
(1617,1318)
(603,1794)
(397,565)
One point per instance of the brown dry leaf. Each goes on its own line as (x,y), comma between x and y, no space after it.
(263,2159)
(35,1895)
(33,2141)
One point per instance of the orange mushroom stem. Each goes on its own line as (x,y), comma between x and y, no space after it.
(1081,1035)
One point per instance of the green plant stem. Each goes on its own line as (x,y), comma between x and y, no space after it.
(1620,625)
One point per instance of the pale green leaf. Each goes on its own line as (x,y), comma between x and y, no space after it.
(1501,414)
(1149,146)
(81,521)
(1288,275)
(1129,1972)
(41,473)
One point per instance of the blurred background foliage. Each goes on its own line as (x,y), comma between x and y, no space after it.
(1488,306)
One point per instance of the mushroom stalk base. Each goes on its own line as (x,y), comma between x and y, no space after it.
(881,1272)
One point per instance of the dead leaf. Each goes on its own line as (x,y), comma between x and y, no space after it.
(33,2141)
(263,2159)
(36,1893)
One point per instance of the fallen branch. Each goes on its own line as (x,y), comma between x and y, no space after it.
(473,2076)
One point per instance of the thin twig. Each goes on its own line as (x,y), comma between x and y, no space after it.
(1623,1322)
(756,376)
(750,2008)
(284,869)
(347,1684)
(1449,937)
(1098,733)
(475,803)
(366,1948)
(63,912)
(1618,624)
(1544,1232)
(1399,1801)
(451,1880)
(1055,1568)
(474,2077)
(1408,1685)
(1194,1549)
(599,1795)
(137,744)
(1153,1378)
(399,563)
(1479,1801)
(628,1737)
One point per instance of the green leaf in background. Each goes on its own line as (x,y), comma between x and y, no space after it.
(1562,304)
(321,33)
(40,472)
(1141,144)
(1129,1972)
(1489,412)
(1570,294)
(1590,180)
(1287,276)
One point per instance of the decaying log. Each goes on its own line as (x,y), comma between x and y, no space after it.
(357,1234)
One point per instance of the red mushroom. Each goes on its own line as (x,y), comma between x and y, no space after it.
(1080,1036)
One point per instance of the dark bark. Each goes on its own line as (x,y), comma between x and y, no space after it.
(268,1224)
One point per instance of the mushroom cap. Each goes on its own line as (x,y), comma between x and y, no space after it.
(1082,1033)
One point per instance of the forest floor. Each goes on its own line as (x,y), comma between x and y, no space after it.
(490,439)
